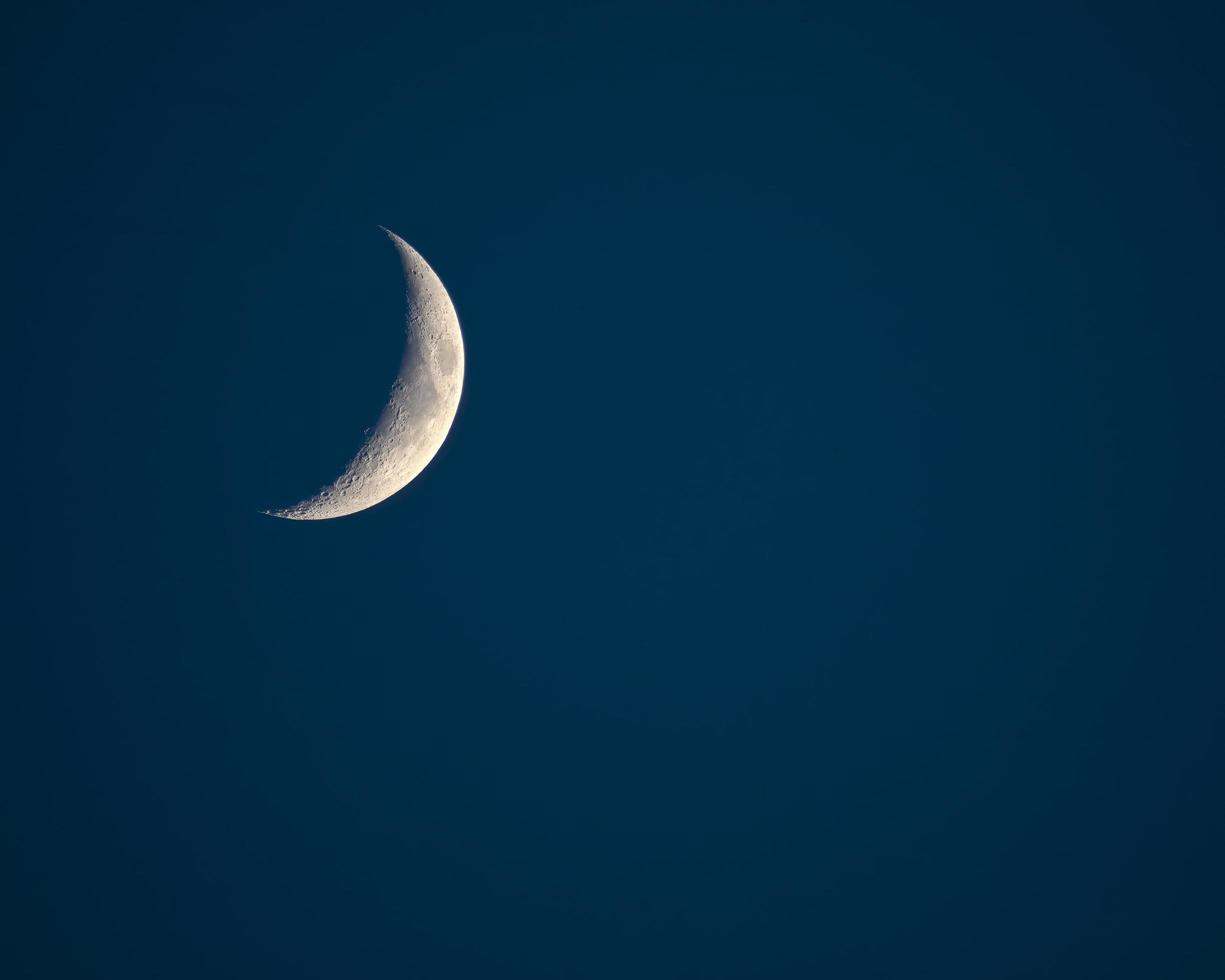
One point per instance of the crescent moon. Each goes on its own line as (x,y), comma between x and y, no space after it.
(419,410)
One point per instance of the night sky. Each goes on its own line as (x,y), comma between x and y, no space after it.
(823,577)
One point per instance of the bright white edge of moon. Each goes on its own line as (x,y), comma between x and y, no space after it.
(419,410)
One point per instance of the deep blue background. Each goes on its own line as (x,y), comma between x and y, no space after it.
(823,576)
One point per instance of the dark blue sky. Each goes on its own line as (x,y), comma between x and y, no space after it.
(822,578)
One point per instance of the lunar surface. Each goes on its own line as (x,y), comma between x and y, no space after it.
(419,411)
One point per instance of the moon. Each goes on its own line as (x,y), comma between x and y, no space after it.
(419,410)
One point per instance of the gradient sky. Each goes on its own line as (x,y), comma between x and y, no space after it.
(822,577)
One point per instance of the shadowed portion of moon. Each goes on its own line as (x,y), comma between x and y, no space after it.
(419,410)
